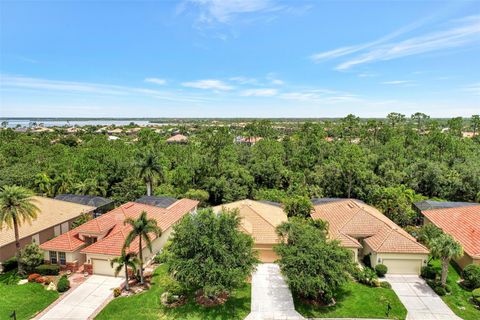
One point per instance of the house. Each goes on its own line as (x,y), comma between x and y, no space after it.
(259,219)
(54,218)
(101,204)
(94,243)
(461,220)
(178,138)
(247,140)
(367,232)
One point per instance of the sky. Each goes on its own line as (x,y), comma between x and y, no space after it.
(232,58)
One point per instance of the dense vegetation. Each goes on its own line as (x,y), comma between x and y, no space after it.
(388,163)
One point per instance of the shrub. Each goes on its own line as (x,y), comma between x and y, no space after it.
(31,257)
(117,292)
(429,272)
(63,284)
(385,285)
(439,290)
(175,287)
(471,275)
(40,280)
(368,277)
(163,256)
(10,264)
(48,269)
(476,296)
(448,289)
(381,270)
(32,277)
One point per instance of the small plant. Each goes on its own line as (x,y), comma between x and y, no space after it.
(385,285)
(471,275)
(381,270)
(476,296)
(117,292)
(63,284)
(32,277)
(366,276)
(439,290)
(429,272)
(48,269)
(10,264)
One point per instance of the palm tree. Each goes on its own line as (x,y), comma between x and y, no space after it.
(43,182)
(125,261)
(16,207)
(149,170)
(63,183)
(142,227)
(444,247)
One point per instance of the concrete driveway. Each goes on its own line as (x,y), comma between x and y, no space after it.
(421,302)
(82,301)
(271,297)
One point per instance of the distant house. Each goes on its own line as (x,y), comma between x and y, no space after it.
(247,140)
(468,134)
(113,138)
(42,129)
(368,233)
(259,219)
(461,220)
(95,243)
(54,218)
(101,204)
(73,130)
(115,131)
(178,138)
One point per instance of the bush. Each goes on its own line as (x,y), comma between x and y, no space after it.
(476,296)
(63,284)
(368,277)
(385,285)
(117,292)
(32,277)
(439,290)
(381,270)
(163,256)
(471,275)
(48,269)
(429,272)
(31,257)
(175,287)
(448,289)
(10,264)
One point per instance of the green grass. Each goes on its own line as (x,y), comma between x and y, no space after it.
(357,301)
(27,299)
(459,299)
(147,305)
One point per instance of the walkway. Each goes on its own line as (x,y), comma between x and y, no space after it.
(421,302)
(81,302)
(271,298)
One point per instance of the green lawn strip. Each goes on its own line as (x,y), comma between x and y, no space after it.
(27,299)
(147,305)
(357,301)
(459,299)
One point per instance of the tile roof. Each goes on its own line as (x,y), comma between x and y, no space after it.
(259,219)
(52,212)
(111,226)
(350,219)
(463,224)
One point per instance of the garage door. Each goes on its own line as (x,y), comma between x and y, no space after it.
(102,267)
(403,266)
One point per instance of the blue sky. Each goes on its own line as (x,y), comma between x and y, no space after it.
(262,58)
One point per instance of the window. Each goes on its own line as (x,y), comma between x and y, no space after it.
(53,257)
(62,258)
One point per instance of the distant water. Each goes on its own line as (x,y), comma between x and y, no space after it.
(13,123)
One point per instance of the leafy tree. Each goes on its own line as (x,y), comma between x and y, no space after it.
(298,206)
(150,170)
(199,195)
(274,195)
(125,261)
(43,183)
(428,233)
(315,267)
(395,119)
(84,217)
(444,247)
(31,257)
(209,252)
(475,123)
(142,228)
(17,207)
(420,120)
(455,126)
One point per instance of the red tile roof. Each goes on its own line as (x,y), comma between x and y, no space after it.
(462,223)
(111,224)
(349,219)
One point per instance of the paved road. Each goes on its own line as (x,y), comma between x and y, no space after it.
(421,301)
(271,298)
(84,299)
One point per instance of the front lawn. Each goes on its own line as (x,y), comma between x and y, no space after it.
(27,299)
(147,305)
(357,301)
(459,298)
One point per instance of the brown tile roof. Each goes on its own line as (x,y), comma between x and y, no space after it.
(52,212)
(349,219)
(111,224)
(258,219)
(178,138)
(462,223)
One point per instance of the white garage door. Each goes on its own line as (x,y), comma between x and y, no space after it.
(102,267)
(403,266)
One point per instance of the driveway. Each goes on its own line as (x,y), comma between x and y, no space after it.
(83,300)
(271,297)
(421,302)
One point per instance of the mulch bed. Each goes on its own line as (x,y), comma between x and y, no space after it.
(201,299)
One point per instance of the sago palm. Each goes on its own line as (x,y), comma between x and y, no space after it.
(150,170)
(444,247)
(142,227)
(125,261)
(16,207)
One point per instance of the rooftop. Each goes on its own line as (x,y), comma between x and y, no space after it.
(94,201)
(430,204)
(157,201)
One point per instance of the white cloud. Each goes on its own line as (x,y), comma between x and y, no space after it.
(156,81)
(244,80)
(398,82)
(259,93)
(319,96)
(473,88)
(211,84)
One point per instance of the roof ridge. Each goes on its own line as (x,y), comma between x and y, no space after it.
(258,214)
(390,230)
